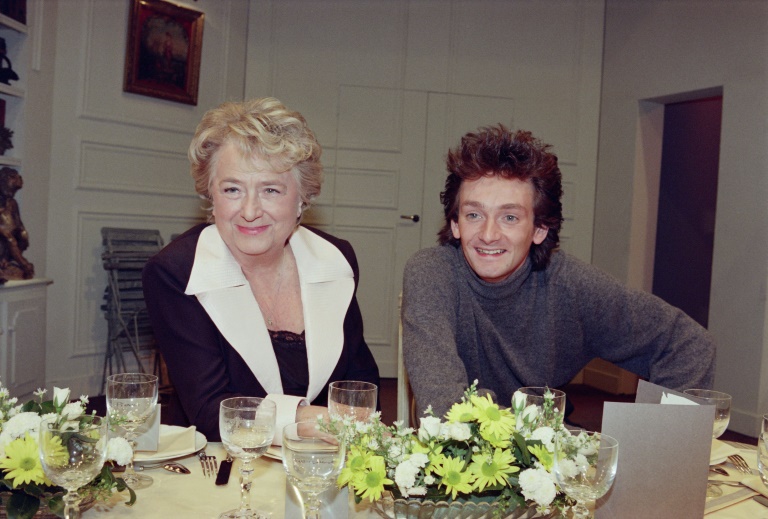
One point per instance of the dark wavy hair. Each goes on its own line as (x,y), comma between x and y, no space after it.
(497,151)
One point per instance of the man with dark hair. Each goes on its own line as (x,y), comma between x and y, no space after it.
(497,302)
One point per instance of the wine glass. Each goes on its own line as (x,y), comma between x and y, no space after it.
(584,466)
(722,404)
(131,400)
(352,399)
(72,455)
(312,460)
(762,450)
(538,395)
(247,427)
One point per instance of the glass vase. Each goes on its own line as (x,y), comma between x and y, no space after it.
(390,508)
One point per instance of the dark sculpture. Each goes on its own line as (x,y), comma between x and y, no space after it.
(13,236)
(7,73)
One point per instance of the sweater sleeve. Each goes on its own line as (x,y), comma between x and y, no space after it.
(642,333)
(436,372)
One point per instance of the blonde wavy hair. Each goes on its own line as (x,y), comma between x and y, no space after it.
(261,127)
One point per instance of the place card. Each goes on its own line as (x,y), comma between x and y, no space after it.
(664,455)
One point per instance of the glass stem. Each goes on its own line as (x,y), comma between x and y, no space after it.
(580,510)
(311,506)
(130,474)
(71,510)
(246,471)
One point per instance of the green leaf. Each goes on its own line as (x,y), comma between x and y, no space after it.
(21,506)
(520,441)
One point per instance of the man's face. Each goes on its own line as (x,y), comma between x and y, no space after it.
(495,225)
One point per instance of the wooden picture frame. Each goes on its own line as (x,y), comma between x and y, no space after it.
(162,57)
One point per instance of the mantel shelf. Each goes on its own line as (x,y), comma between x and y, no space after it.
(10,161)
(11,90)
(7,21)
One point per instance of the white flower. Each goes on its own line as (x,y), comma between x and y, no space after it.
(84,399)
(568,468)
(547,437)
(73,410)
(418,491)
(581,462)
(518,402)
(119,450)
(537,485)
(457,431)
(429,480)
(60,397)
(18,426)
(430,428)
(405,476)
(419,459)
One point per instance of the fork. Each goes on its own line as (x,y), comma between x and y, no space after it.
(740,463)
(208,463)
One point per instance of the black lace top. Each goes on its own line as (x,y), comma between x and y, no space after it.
(291,352)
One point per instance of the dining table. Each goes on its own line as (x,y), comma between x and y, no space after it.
(194,495)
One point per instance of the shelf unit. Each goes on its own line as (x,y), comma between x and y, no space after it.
(13,94)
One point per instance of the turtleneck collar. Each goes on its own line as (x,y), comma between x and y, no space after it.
(492,291)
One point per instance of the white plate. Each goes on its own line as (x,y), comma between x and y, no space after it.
(200,443)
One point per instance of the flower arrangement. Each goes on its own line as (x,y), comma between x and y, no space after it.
(23,484)
(480,451)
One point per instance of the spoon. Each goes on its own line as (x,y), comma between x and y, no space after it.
(178,468)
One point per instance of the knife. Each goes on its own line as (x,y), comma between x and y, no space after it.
(760,499)
(222,478)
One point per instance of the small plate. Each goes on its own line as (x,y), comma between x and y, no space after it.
(720,452)
(145,456)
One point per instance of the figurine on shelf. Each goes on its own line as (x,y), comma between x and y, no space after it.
(13,236)
(7,73)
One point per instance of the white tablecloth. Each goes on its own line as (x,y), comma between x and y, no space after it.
(194,496)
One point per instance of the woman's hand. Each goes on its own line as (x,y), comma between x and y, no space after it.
(309,413)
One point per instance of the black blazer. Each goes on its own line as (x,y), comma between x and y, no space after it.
(202,364)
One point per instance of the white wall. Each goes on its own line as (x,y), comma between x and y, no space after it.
(118,159)
(658,51)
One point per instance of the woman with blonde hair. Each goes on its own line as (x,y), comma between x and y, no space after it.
(256,304)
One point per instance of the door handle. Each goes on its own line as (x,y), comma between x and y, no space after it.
(412,217)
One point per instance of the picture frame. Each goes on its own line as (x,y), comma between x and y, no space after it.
(162,57)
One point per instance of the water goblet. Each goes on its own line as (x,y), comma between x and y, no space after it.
(762,450)
(722,406)
(72,455)
(352,399)
(312,460)
(584,465)
(247,427)
(541,397)
(131,400)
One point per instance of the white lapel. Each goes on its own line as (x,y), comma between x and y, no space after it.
(327,286)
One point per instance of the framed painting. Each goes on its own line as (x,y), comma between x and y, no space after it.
(163,53)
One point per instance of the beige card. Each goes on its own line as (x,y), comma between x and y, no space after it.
(663,460)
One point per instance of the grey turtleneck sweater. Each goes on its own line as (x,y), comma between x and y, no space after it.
(537,328)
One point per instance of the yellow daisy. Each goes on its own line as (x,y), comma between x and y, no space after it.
(370,483)
(461,412)
(492,469)
(357,462)
(543,455)
(22,464)
(454,480)
(493,419)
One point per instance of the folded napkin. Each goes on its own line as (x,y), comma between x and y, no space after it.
(756,484)
(720,451)
(174,442)
(149,433)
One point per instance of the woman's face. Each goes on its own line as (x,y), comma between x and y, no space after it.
(255,207)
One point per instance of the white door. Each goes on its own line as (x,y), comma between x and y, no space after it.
(372,196)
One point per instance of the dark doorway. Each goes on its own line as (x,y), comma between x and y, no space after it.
(685,229)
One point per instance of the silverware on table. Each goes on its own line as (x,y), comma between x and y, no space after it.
(178,468)
(208,463)
(222,478)
(740,463)
(718,470)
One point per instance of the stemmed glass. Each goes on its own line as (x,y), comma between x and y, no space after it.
(312,460)
(352,399)
(722,404)
(247,427)
(762,450)
(72,455)
(584,466)
(131,400)
(538,395)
